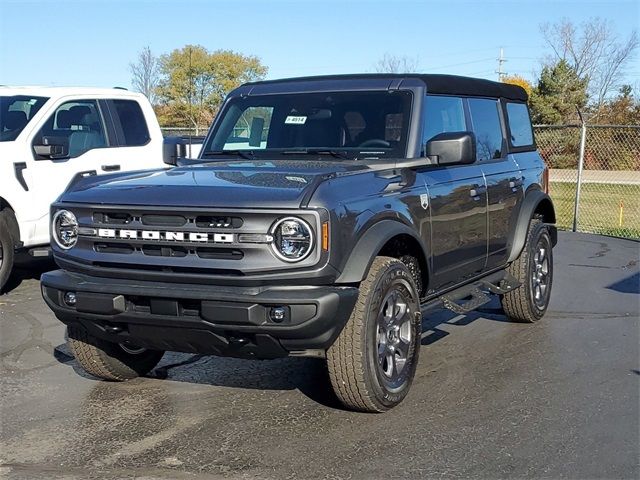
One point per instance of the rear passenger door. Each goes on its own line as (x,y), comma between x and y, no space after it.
(502,176)
(457,201)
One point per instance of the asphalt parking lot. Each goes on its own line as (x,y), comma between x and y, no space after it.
(558,399)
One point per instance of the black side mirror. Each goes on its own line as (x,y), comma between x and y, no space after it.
(173,148)
(52,148)
(452,148)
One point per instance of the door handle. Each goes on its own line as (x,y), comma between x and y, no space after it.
(515,182)
(477,191)
(110,168)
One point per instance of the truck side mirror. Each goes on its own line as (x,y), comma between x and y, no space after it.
(51,148)
(452,148)
(173,148)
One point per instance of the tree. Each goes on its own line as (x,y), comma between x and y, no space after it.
(145,74)
(195,82)
(624,109)
(396,64)
(594,51)
(558,92)
(520,81)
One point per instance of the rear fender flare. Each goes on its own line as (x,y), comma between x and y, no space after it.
(532,201)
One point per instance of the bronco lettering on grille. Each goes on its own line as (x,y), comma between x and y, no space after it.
(197,237)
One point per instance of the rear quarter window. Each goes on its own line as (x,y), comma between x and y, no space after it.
(134,130)
(520,131)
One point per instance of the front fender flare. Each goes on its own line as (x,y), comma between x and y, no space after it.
(371,242)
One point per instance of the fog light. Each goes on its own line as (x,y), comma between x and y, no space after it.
(70,298)
(278,314)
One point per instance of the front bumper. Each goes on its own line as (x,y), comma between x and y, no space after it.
(227,321)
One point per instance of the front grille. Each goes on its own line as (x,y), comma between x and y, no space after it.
(232,243)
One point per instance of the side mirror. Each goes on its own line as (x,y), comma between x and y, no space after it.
(51,147)
(173,148)
(452,148)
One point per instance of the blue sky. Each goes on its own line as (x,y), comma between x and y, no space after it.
(71,42)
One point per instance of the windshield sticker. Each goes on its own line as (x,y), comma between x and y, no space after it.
(295,120)
(296,179)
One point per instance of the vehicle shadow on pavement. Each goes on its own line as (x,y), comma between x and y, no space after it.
(307,375)
(27,268)
(431,322)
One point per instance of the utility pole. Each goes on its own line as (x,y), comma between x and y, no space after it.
(501,60)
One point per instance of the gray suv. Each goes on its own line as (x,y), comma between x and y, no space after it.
(324,217)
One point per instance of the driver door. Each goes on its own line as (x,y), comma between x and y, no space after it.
(79,127)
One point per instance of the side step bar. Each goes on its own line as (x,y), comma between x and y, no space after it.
(469,297)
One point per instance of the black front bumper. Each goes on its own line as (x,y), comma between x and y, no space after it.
(206,319)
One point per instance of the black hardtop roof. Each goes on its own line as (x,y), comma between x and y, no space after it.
(436,83)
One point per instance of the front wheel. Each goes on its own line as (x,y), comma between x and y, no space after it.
(534,269)
(110,361)
(7,245)
(373,361)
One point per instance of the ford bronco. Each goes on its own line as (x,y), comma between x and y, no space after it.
(324,217)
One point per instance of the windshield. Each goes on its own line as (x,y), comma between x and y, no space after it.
(15,113)
(338,124)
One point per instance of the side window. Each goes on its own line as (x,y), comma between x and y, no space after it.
(519,124)
(443,114)
(251,129)
(485,120)
(134,131)
(77,125)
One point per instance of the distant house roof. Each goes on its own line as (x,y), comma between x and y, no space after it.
(443,84)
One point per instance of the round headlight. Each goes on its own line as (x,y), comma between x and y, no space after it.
(292,239)
(64,227)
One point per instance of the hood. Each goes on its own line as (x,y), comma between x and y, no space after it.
(239,184)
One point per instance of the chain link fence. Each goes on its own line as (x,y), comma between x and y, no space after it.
(604,195)
(608,184)
(184,131)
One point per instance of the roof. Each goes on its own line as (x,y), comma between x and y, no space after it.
(443,84)
(43,91)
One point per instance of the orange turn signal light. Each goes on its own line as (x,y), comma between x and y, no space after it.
(325,236)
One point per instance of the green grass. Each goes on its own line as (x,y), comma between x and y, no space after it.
(599,208)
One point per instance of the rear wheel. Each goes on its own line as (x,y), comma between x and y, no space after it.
(534,269)
(110,361)
(7,245)
(373,361)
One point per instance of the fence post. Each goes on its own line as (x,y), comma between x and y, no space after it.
(583,141)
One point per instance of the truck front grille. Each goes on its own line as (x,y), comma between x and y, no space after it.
(176,241)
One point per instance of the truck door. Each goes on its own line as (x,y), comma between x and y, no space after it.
(501,173)
(78,126)
(458,201)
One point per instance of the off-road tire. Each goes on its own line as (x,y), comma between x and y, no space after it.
(352,360)
(8,242)
(519,304)
(108,360)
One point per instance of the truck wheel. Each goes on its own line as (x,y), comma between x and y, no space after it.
(110,361)
(534,269)
(7,245)
(373,361)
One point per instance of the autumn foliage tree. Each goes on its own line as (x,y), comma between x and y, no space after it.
(520,81)
(195,81)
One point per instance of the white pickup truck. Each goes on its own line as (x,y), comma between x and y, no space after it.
(50,134)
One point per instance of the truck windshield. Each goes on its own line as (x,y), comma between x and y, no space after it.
(369,124)
(16,112)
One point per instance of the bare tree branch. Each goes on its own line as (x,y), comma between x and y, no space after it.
(594,52)
(396,64)
(145,74)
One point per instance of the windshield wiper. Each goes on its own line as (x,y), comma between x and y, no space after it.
(248,154)
(318,151)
